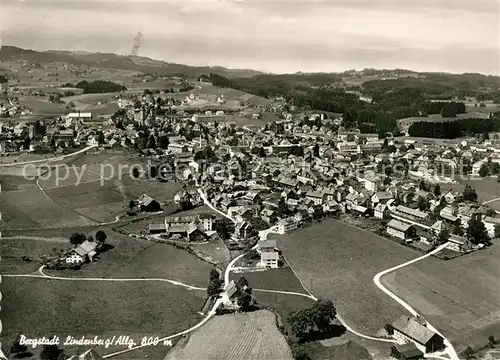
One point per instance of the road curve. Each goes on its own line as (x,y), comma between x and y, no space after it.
(376,279)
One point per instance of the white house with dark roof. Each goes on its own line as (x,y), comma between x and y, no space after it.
(317,197)
(459,243)
(287,224)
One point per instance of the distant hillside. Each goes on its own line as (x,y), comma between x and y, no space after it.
(120,62)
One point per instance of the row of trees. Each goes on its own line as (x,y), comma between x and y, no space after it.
(78,238)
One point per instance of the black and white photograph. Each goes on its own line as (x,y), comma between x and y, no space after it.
(250,179)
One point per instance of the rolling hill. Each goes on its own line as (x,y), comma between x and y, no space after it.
(120,62)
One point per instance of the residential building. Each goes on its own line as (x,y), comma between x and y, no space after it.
(459,243)
(270,259)
(400,229)
(381,211)
(207,221)
(267,245)
(490,223)
(287,225)
(316,197)
(79,117)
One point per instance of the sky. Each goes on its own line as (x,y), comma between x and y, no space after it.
(272,36)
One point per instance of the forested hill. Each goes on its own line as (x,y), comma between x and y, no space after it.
(391,99)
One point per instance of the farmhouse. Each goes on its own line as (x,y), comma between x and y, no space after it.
(82,252)
(408,329)
(157,228)
(147,203)
(406,352)
(458,243)
(400,229)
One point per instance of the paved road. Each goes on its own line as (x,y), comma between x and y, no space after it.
(450,350)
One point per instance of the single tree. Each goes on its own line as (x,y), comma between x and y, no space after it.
(497,231)
(245,301)
(214,275)
(437,190)
(242,282)
(214,287)
(77,238)
(100,236)
(131,204)
(484,170)
(469,194)
(457,230)
(262,152)
(476,231)
(443,236)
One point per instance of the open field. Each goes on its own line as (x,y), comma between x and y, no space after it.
(249,336)
(42,106)
(460,297)
(275,279)
(94,186)
(210,93)
(133,258)
(283,304)
(12,183)
(13,249)
(486,188)
(337,261)
(29,208)
(96,309)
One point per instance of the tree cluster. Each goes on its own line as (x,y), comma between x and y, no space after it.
(446,109)
(99,86)
(214,284)
(454,129)
(317,318)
